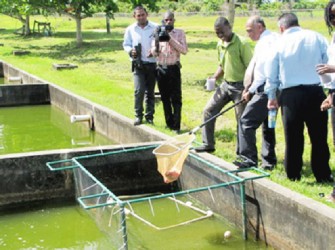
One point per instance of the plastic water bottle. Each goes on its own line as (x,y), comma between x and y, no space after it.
(272,118)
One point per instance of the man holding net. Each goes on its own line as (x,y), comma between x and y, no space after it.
(234,54)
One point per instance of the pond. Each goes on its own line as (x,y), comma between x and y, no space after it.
(43,127)
(68,226)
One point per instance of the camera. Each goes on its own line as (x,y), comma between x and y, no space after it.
(162,32)
(137,63)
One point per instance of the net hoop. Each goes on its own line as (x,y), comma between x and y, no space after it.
(172,154)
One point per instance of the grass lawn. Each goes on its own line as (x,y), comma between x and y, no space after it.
(104,76)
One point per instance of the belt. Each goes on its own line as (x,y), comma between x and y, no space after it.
(169,65)
(260,89)
(309,85)
(148,63)
(305,86)
(233,83)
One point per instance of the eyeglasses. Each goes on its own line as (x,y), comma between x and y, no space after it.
(168,19)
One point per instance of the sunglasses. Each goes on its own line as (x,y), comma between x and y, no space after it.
(168,19)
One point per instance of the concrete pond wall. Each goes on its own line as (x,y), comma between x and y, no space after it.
(282,218)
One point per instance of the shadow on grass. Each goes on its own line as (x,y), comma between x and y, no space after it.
(94,43)
(226,135)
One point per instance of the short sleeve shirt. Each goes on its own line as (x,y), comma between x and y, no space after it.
(234,58)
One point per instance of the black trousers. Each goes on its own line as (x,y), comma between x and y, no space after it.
(254,115)
(169,85)
(300,106)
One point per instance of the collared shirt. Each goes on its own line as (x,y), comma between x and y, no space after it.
(134,35)
(263,48)
(169,52)
(234,58)
(331,61)
(293,62)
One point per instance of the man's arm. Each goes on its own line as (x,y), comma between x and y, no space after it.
(178,42)
(272,80)
(128,42)
(218,73)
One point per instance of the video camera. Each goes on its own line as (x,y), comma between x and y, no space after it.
(162,32)
(137,63)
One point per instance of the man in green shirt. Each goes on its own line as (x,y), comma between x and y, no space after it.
(234,55)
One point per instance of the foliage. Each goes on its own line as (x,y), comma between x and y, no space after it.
(190,6)
(272,6)
(212,5)
(167,5)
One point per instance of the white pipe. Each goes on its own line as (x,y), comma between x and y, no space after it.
(82,118)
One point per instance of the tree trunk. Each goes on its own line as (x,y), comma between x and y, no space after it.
(250,5)
(27,30)
(79,36)
(291,3)
(108,25)
(230,7)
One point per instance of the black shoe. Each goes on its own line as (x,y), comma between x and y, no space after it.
(244,164)
(294,178)
(326,180)
(176,131)
(269,167)
(150,121)
(137,121)
(204,148)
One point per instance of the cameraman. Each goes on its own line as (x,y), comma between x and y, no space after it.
(168,45)
(137,43)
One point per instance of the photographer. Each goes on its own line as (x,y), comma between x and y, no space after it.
(168,45)
(137,43)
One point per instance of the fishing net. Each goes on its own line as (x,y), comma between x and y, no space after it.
(171,156)
(126,197)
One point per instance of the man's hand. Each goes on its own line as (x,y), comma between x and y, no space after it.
(246,95)
(273,104)
(327,103)
(325,68)
(133,53)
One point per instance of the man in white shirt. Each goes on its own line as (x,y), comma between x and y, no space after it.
(255,113)
(292,69)
(138,38)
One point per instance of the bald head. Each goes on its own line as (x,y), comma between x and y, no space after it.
(255,26)
(168,18)
(221,21)
(223,29)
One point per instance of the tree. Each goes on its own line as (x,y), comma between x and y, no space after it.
(18,9)
(81,9)
(75,9)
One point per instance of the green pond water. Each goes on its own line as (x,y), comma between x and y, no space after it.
(65,227)
(43,127)
(70,227)
(205,234)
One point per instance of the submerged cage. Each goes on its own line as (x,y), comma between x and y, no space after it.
(118,186)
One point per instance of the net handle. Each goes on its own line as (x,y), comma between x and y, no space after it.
(193,131)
